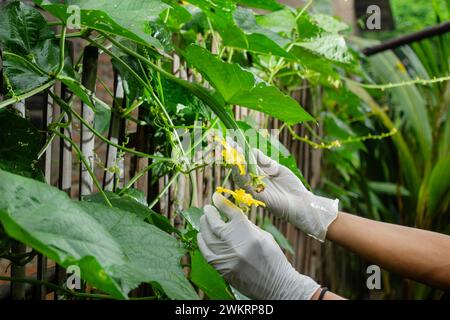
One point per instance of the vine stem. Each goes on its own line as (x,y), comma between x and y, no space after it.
(62,43)
(86,164)
(166,187)
(136,178)
(26,95)
(63,104)
(50,139)
(399,84)
(338,143)
(57,288)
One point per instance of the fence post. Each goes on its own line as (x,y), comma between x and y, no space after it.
(115,131)
(87,138)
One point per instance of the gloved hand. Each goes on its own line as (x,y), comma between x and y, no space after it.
(286,197)
(248,257)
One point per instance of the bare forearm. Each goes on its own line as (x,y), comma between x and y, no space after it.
(413,253)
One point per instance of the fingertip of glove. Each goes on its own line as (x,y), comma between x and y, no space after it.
(221,202)
(226,206)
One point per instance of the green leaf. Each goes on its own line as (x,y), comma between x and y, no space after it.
(260,39)
(132,87)
(183,107)
(115,250)
(261,4)
(208,279)
(439,185)
(240,87)
(318,36)
(329,23)
(278,236)
(30,51)
(21,76)
(101,109)
(388,188)
(331,47)
(177,15)
(278,21)
(192,216)
(20,144)
(133,201)
(128,19)
(22,28)
(220,12)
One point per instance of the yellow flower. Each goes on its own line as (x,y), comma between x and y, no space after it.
(242,197)
(335,143)
(231,155)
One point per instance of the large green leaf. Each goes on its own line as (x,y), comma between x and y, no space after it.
(132,200)
(208,279)
(129,19)
(278,236)
(22,28)
(20,144)
(115,249)
(240,87)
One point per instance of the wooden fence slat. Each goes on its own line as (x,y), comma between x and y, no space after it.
(109,178)
(87,138)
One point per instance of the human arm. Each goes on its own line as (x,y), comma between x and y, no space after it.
(413,253)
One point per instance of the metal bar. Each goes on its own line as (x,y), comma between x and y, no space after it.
(409,38)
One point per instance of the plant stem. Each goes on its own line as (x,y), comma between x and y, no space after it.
(50,139)
(26,95)
(62,43)
(64,105)
(136,178)
(86,164)
(57,288)
(166,187)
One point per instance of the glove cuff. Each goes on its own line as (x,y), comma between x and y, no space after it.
(301,287)
(315,215)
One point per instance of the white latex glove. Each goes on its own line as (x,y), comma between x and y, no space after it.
(248,257)
(286,197)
